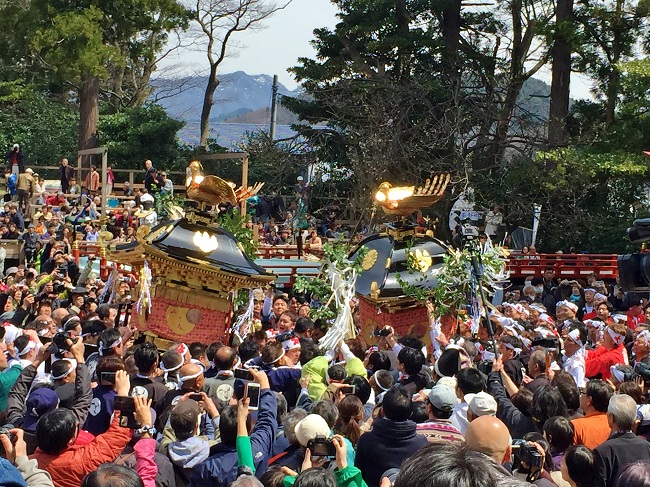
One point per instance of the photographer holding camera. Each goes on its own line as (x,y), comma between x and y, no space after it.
(490,436)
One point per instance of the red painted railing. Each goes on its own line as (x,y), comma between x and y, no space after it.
(566,266)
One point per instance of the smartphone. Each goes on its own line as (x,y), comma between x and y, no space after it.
(107,377)
(126,407)
(252,391)
(196,397)
(348,390)
(321,447)
(244,374)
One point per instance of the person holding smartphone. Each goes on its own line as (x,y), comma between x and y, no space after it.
(222,466)
(345,475)
(101,407)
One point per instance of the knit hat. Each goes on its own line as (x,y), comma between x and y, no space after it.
(481,404)
(443,398)
(9,475)
(310,427)
(184,418)
(38,403)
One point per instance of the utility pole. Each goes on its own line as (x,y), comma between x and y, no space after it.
(274,108)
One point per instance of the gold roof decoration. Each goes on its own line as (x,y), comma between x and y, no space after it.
(404,200)
(213,190)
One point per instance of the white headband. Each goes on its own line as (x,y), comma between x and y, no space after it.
(189,377)
(31,345)
(510,346)
(73,366)
(281,355)
(116,343)
(168,370)
(645,335)
(619,374)
(617,337)
(575,336)
(568,304)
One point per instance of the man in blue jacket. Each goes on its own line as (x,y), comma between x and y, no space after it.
(220,469)
(392,440)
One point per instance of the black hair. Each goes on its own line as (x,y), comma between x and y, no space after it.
(21,342)
(559,431)
(106,339)
(547,402)
(228,425)
(412,360)
(303,324)
(566,384)
(273,477)
(411,341)
(397,403)
(419,412)
(470,381)
(282,406)
(55,429)
(600,394)
(212,349)
(443,464)
(580,465)
(308,351)
(197,349)
(636,474)
(379,361)
(145,357)
(523,400)
(248,349)
(109,364)
(103,310)
(361,385)
(510,340)
(315,477)
(112,475)
(337,372)
(69,324)
(327,410)
(60,367)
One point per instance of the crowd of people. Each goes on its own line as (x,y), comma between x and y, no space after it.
(550,390)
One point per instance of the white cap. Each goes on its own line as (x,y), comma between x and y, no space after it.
(300,178)
(481,404)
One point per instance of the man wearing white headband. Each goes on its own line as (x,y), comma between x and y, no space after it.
(641,347)
(565,310)
(574,354)
(589,304)
(610,352)
(291,349)
(510,348)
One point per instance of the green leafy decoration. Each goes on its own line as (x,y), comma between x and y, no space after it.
(336,255)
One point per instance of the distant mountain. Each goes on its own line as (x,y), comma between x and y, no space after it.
(243,102)
(237,94)
(263,116)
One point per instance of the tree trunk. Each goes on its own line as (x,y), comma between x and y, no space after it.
(208,100)
(88,115)
(561,74)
